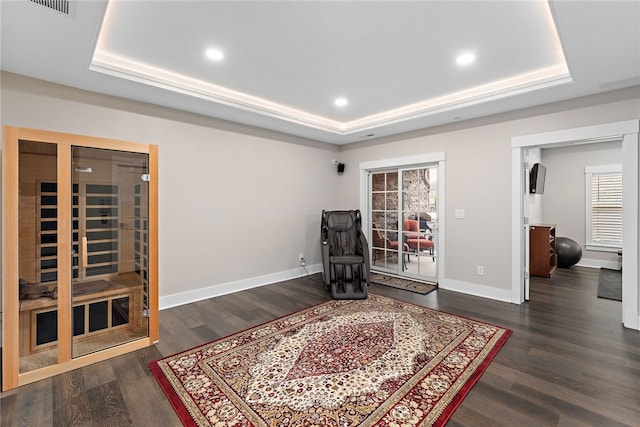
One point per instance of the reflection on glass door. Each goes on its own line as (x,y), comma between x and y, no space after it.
(386,250)
(420,221)
(110,217)
(38,255)
(404,222)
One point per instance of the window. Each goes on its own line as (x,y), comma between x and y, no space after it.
(604,207)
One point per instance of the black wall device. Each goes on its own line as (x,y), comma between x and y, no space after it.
(340,167)
(537,178)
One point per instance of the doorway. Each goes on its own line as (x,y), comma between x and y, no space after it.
(627,133)
(401,201)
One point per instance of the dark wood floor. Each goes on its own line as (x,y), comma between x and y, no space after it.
(569,361)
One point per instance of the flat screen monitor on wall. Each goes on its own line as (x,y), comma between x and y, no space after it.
(536,179)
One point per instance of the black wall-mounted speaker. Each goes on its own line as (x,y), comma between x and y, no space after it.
(340,167)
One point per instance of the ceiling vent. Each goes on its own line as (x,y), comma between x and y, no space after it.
(61,6)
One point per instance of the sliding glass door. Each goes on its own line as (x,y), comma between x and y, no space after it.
(404,221)
(419,198)
(386,251)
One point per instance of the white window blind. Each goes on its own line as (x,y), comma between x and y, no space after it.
(604,207)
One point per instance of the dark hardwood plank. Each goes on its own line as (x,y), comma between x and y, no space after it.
(7,409)
(107,406)
(34,406)
(145,401)
(97,374)
(70,399)
(569,361)
(466,416)
(508,409)
(577,410)
(205,333)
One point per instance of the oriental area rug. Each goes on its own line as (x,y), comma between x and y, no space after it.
(373,362)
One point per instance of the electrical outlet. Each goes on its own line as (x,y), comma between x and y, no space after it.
(480,271)
(301,258)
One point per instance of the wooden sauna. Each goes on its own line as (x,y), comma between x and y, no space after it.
(79,249)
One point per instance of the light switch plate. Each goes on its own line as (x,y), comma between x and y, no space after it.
(459,213)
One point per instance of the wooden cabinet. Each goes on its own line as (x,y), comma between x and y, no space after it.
(543,259)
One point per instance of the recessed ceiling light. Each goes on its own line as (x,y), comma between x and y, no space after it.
(465,58)
(341,102)
(214,54)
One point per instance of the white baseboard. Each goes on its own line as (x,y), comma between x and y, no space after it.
(631,319)
(174,300)
(181,298)
(598,263)
(475,289)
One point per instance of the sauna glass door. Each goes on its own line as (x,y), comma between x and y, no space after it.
(38,219)
(110,253)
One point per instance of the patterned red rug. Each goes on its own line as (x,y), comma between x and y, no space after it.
(370,362)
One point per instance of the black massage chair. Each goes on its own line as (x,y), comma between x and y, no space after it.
(345,255)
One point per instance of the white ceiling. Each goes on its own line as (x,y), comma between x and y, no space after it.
(286,62)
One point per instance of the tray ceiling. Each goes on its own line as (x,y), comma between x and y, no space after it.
(282,65)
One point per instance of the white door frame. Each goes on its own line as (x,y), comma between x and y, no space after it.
(627,132)
(408,162)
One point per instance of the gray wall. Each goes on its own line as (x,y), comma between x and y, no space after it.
(564,199)
(232,205)
(478,179)
(239,204)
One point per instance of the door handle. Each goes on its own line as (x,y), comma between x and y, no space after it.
(85,255)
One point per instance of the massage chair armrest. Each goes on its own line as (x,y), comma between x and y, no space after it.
(325,262)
